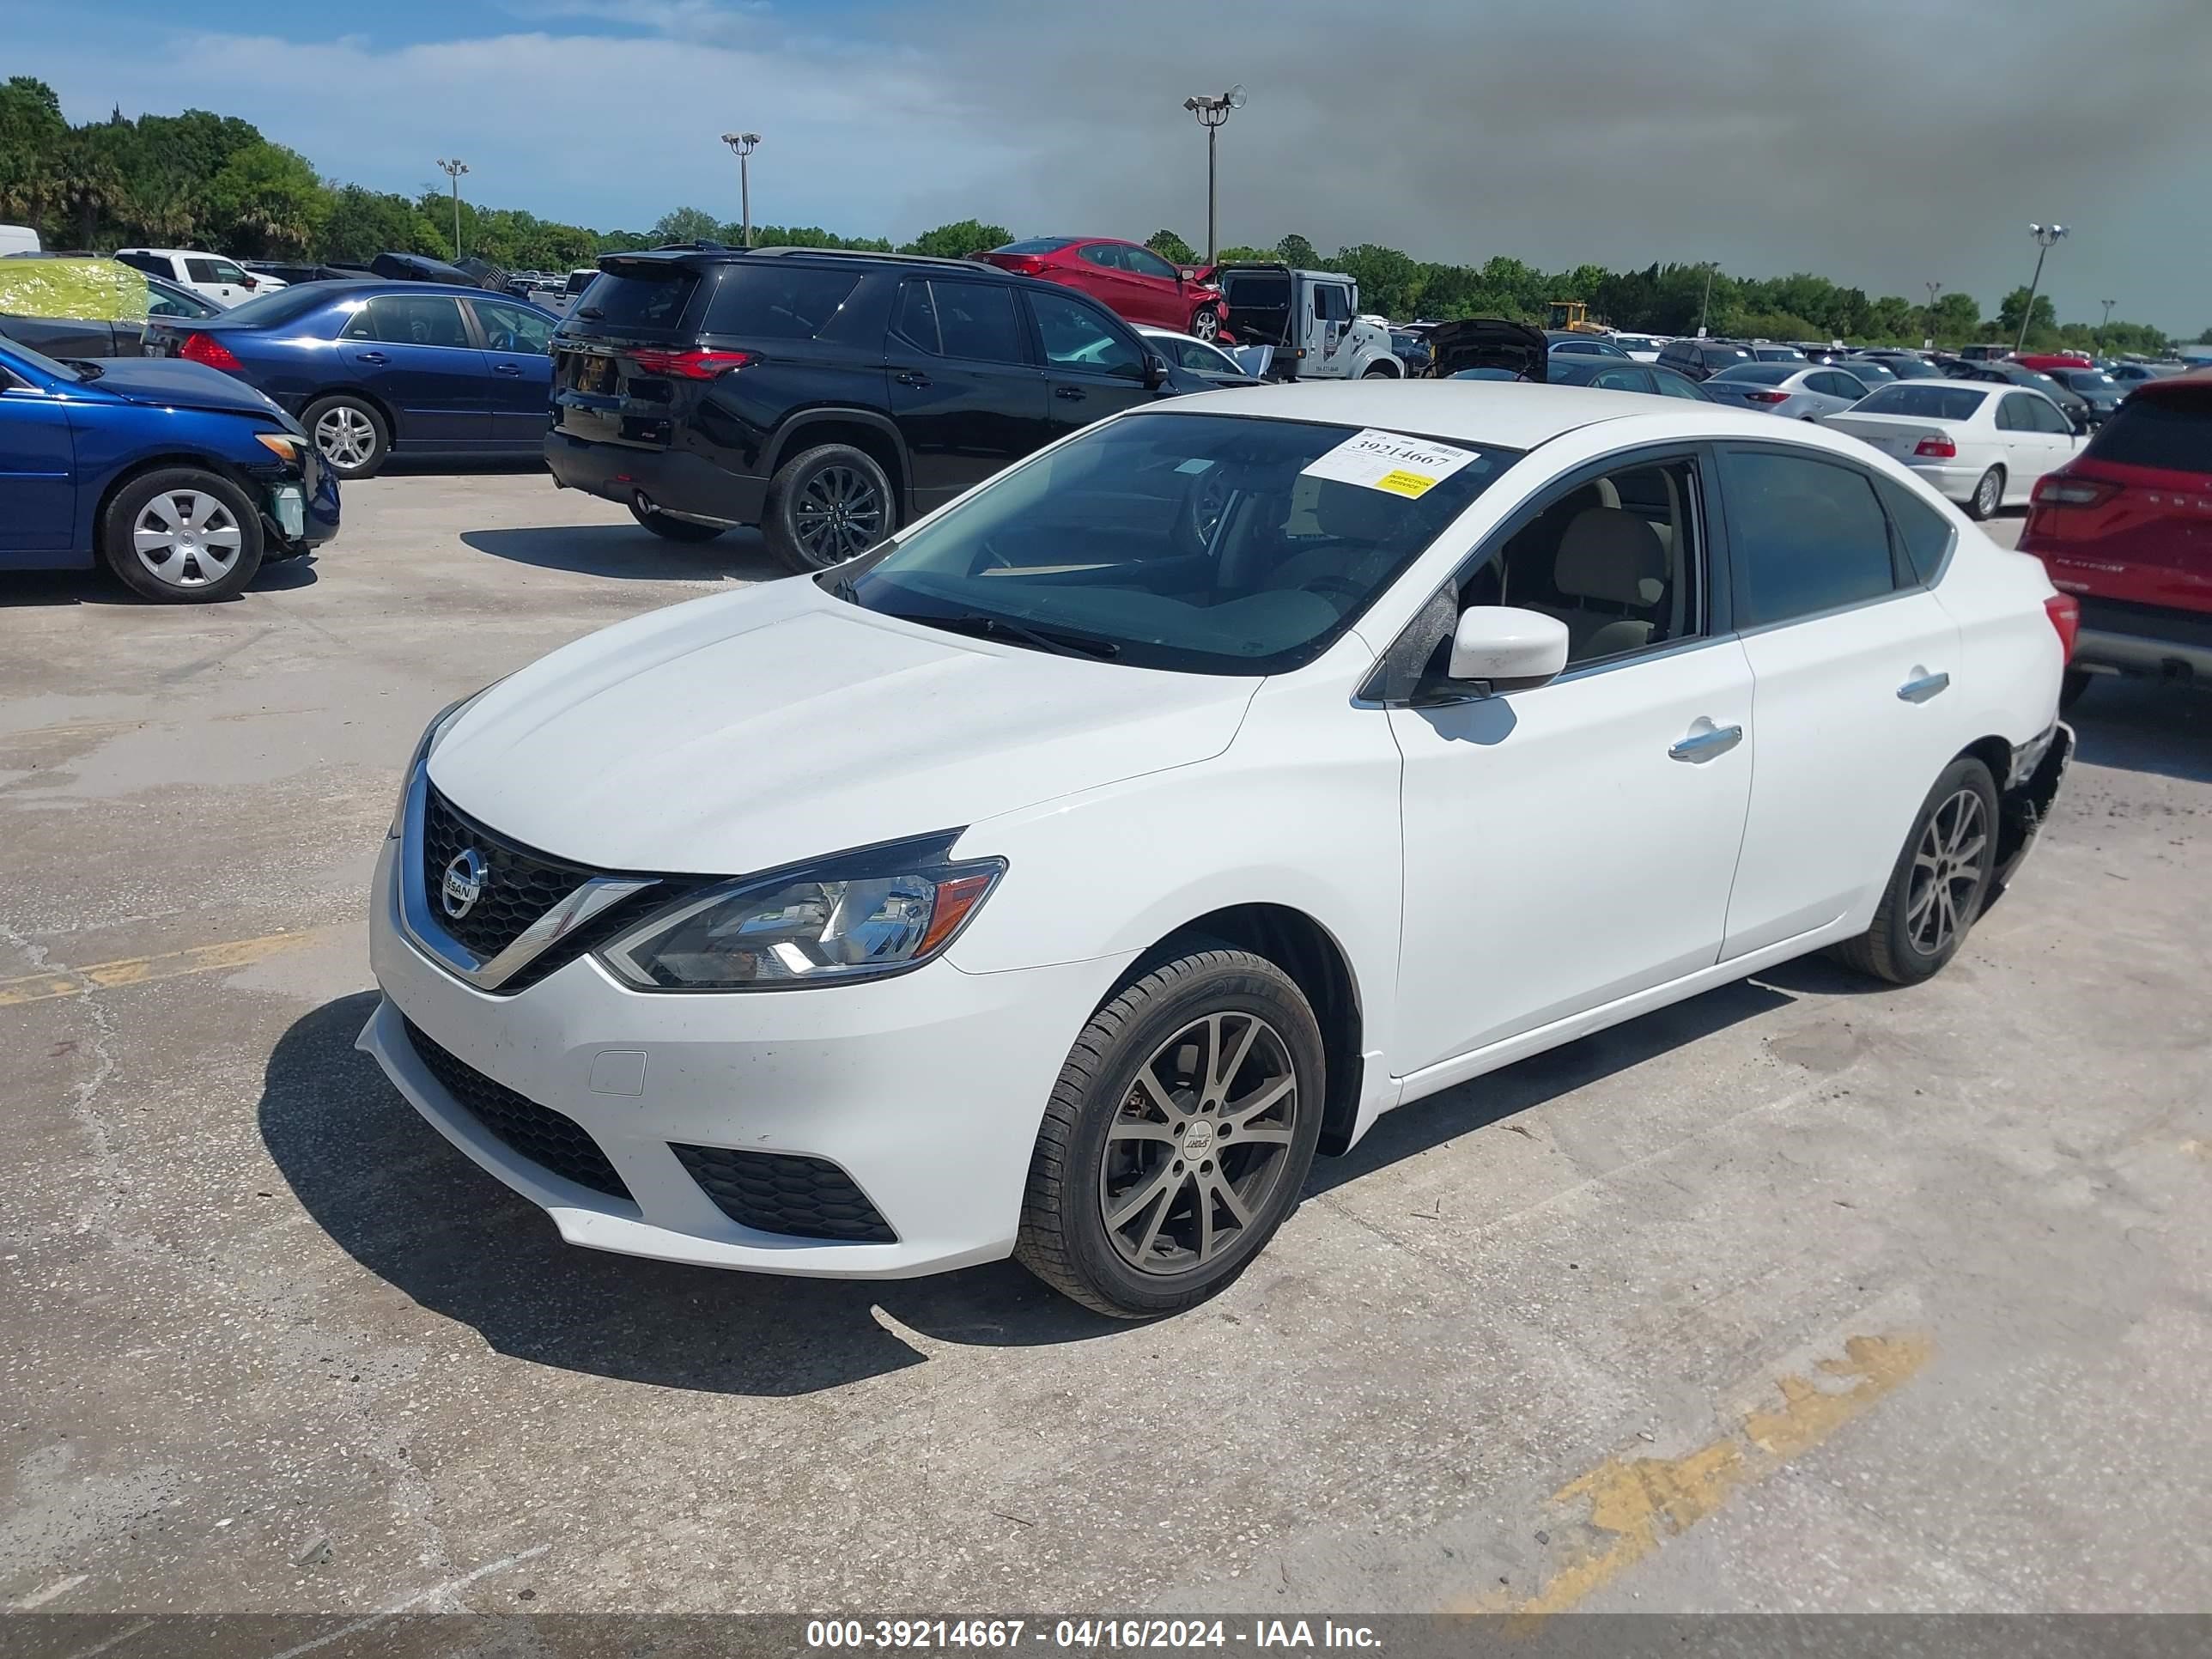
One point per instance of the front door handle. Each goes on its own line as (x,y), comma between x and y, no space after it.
(1926,686)
(911,377)
(1708,745)
(507,368)
(1072,394)
(374,357)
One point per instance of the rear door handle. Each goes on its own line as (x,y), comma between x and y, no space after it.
(1072,394)
(1708,745)
(374,357)
(911,377)
(1928,685)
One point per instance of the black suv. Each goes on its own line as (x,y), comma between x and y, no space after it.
(1703,359)
(826,397)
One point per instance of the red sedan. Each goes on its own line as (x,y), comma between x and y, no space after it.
(1132,280)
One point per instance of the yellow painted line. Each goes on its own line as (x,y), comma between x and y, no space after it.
(1631,1505)
(138,970)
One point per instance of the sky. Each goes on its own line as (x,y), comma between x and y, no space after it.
(1884,143)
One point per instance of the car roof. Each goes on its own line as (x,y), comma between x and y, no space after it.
(1504,414)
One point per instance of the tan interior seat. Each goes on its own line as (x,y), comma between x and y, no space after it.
(1614,558)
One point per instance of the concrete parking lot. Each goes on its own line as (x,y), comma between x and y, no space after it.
(1800,1295)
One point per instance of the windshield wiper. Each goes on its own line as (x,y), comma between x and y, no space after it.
(1064,641)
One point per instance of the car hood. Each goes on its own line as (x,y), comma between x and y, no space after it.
(174,383)
(1488,343)
(752,730)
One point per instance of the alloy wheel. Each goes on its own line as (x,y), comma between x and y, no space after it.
(1947,869)
(1987,493)
(1206,324)
(838,514)
(1200,1144)
(345,437)
(186,539)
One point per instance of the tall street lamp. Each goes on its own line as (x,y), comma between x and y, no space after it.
(1705,306)
(745,143)
(453,169)
(1210,113)
(2044,235)
(1934,289)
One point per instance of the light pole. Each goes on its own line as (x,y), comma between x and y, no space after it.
(2044,235)
(453,169)
(745,143)
(1934,289)
(1210,113)
(1705,306)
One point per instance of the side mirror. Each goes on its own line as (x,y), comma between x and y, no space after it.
(1501,647)
(247,282)
(1156,371)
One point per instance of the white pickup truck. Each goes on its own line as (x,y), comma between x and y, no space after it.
(1311,319)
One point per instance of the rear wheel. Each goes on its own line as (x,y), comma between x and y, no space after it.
(1937,890)
(827,505)
(350,434)
(182,535)
(674,530)
(1178,1137)
(1989,494)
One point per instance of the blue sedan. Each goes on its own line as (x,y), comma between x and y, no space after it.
(375,369)
(179,480)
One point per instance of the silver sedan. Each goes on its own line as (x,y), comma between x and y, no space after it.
(1801,390)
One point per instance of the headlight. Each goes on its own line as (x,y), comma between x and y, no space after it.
(280,443)
(858,916)
(433,735)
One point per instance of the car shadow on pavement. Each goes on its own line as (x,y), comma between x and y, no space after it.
(2145,726)
(98,587)
(621,549)
(403,1203)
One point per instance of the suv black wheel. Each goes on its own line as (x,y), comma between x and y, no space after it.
(351,436)
(1178,1137)
(674,530)
(1938,886)
(826,505)
(181,534)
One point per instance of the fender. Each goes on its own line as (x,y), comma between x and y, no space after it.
(785,442)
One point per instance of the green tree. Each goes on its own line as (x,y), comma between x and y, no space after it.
(958,239)
(1892,320)
(1244,256)
(266,201)
(1958,320)
(363,224)
(32,132)
(1386,277)
(2205,338)
(1172,248)
(687,224)
(1298,253)
(2042,320)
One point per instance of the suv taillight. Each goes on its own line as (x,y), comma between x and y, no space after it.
(206,348)
(696,364)
(2056,489)
(2065,613)
(1942,449)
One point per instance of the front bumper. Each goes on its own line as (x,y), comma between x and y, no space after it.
(926,1089)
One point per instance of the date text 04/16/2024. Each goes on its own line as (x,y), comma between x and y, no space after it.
(1277,1635)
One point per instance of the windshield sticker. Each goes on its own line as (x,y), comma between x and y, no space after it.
(1391,462)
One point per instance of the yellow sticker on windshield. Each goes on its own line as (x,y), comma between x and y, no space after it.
(1399,481)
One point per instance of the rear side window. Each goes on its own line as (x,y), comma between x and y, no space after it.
(1806,536)
(2171,434)
(778,301)
(1103,254)
(638,299)
(1926,533)
(1924,402)
(1034,245)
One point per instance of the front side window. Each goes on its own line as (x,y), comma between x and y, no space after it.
(1805,536)
(422,320)
(1145,262)
(1076,336)
(2016,413)
(1332,304)
(2048,417)
(512,328)
(1208,544)
(202,271)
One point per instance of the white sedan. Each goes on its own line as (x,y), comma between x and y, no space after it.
(1983,445)
(1056,879)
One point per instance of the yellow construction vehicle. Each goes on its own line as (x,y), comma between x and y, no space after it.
(1574,316)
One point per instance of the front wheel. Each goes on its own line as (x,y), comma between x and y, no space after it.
(182,535)
(1940,883)
(1988,496)
(825,506)
(1377,372)
(1178,1137)
(674,530)
(1205,322)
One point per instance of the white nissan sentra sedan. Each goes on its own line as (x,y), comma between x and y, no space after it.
(1058,877)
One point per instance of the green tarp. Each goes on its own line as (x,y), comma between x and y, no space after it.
(93,290)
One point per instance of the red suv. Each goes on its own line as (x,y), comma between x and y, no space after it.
(2127,525)
(1129,278)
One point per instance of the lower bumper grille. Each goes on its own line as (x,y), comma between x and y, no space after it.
(783,1192)
(538,1132)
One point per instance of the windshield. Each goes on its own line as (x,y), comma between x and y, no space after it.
(1208,544)
(2088,379)
(1924,402)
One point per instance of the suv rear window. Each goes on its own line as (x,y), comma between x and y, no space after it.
(2173,433)
(782,301)
(638,298)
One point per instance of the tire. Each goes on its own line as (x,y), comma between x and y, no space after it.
(352,435)
(1907,943)
(2074,687)
(182,535)
(1988,496)
(1110,1142)
(801,521)
(1376,372)
(674,530)
(1205,322)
